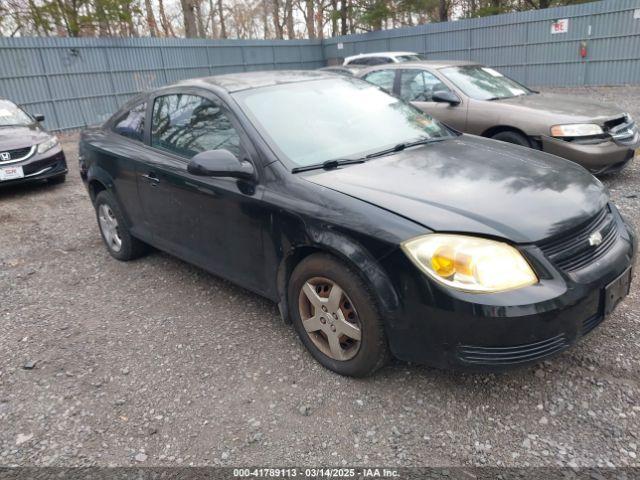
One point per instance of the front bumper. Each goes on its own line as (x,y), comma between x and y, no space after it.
(605,156)
(491,332)
(40,167)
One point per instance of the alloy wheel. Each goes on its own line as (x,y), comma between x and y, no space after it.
(330,318)
(109,227)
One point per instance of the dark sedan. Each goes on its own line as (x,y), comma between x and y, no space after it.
(376,229)
(27,152)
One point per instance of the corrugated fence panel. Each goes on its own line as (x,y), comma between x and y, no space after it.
(80,81)
(522,45)
(77,82)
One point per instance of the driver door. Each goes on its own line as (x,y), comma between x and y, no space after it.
(417,86)
(214,222)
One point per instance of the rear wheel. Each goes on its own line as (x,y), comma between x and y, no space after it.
(336,316)
(512,137)
(120,243)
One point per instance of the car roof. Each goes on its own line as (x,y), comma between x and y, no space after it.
(380,54)
(234,82)
(344,68)
(428,63)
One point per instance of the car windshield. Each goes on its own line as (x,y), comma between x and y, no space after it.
(409,58)
(11,115)
(338,118)
(484,83)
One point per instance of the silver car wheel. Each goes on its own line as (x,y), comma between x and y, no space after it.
(330,318)
(109,227)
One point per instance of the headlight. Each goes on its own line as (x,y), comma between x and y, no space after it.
(48,144)
(469,263)
(576,130)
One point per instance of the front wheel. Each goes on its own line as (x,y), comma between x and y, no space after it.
(512,137)
(336,316)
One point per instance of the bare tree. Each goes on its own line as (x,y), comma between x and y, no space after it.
(189,16)
(344,9)
(276,19)
(265,18)
(167,28)
(197,7)
(151,19)
(223,27)
(288,15)
(212,30)
(334,20)
(309,18)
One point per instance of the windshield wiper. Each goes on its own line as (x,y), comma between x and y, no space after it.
(328,165)
(401,146)
(491,99)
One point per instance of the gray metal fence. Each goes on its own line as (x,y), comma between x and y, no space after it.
(522,46)
(76,82)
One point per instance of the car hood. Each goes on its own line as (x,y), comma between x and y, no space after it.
(21,136)
(475,185)
(567,106)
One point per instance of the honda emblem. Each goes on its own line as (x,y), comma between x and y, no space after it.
(5,156)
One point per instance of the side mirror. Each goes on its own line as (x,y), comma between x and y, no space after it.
(445,96)
(219,163)
(39,117)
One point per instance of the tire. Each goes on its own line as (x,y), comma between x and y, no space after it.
(123,246)
(358,311)
(57,180)
(512,137)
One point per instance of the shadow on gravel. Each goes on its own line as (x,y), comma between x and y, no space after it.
(32,188)
(465,383)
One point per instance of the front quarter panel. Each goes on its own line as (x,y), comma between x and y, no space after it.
(309,217)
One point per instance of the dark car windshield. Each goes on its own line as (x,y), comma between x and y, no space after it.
(11,115)
(338,118)
(484,83)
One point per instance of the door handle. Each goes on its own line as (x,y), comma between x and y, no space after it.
(151,177)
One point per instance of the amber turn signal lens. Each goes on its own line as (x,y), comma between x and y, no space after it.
(470,264)
(443,261)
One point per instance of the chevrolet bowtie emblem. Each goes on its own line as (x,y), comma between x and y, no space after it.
(595,239)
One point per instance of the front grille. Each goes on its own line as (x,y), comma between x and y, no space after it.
(591,323)
(512,355)
(623,130)
(14,155)
(615,122)
(573,250)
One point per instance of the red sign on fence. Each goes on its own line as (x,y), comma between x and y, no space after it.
(560,26)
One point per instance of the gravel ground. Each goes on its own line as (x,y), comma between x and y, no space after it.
(156,362)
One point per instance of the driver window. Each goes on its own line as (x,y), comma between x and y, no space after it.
(419,85)
(382,78)
(188,124)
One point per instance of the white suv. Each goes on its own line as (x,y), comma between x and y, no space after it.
(370,59)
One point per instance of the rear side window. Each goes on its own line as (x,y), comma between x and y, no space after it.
(382,78)
(189,124)
(131,124)
(379,61)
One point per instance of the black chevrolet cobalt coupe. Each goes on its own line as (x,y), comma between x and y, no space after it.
(376,229)
(27,151)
